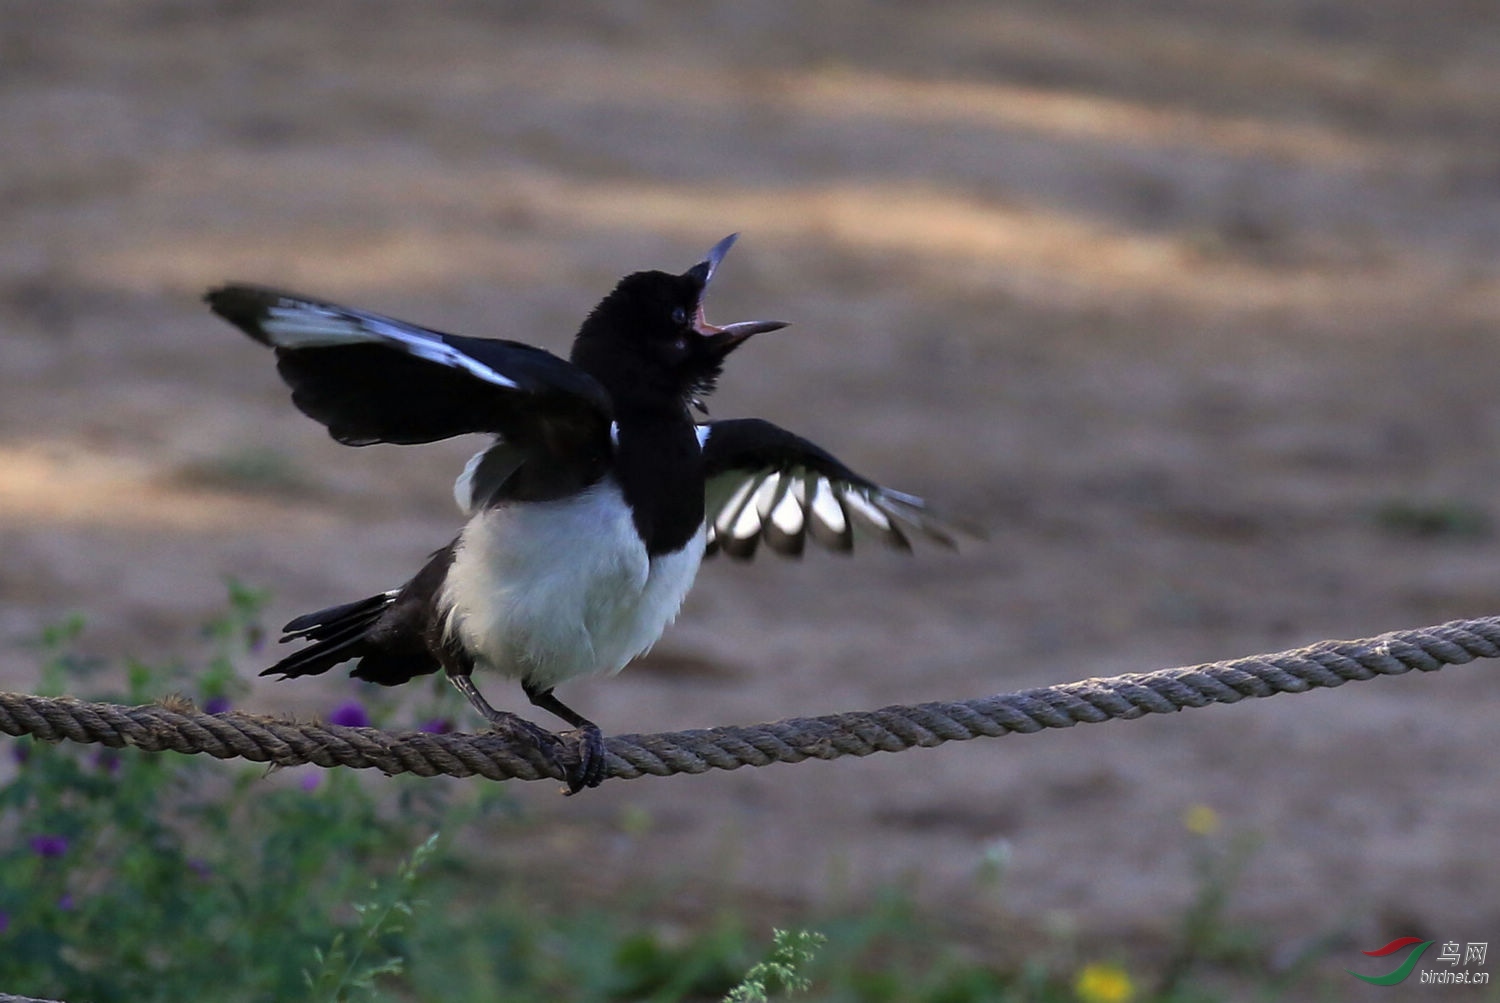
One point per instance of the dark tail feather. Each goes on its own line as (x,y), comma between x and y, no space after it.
(339,633)
(360,611)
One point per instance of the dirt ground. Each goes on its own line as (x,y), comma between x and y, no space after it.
(1193,306)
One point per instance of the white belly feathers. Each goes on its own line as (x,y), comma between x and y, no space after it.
(593,599)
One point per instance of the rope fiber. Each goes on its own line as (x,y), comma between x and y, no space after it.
(176,725)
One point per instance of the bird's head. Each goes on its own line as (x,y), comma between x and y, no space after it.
(649,338)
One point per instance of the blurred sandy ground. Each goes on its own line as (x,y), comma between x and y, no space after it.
(1193,306)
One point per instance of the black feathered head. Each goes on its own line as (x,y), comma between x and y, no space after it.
(649,338)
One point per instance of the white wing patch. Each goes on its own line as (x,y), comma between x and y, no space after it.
(298,324)
(484,475)
(785,507)
(826,507)
(788,515)
(463,488)
(860,508)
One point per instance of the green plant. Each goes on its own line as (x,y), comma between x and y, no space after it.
(353,963)
(130,876)
(791,950)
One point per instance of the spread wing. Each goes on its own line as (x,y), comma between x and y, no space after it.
(369,378)
(764,483)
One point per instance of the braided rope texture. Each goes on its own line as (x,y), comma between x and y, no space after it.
(176,725)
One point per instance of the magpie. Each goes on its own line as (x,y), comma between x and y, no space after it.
(591,510)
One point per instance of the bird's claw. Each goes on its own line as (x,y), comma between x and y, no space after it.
(592,758)
(579,755)
(518,729)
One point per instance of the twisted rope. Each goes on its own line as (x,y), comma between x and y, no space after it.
(177,726)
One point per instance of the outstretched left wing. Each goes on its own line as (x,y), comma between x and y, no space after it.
(369,378)
(764,483)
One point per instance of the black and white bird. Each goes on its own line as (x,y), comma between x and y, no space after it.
(591,511)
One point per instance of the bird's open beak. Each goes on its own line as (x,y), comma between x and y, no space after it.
(727,338)
(704,270)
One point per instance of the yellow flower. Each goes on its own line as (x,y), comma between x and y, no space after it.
(1104,983)
(1201,820)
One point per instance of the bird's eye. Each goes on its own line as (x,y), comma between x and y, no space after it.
(679,315)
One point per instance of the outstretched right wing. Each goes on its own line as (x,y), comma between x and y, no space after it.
(766,484)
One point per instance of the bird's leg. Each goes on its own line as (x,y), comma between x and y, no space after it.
(592,757)
(515,726)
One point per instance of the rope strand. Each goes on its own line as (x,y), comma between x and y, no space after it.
(175,725)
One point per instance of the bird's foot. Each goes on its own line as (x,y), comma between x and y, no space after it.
(578,755)
(588,743)
(519,730)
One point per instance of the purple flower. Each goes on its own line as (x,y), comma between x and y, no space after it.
(65,904)
(20,752)
(200,868)
(310,781)
(436,726)
(107,760)
(350,715)
(4,921)
(49,846)
(216,705)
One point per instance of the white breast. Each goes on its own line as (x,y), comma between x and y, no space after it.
(545,591)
